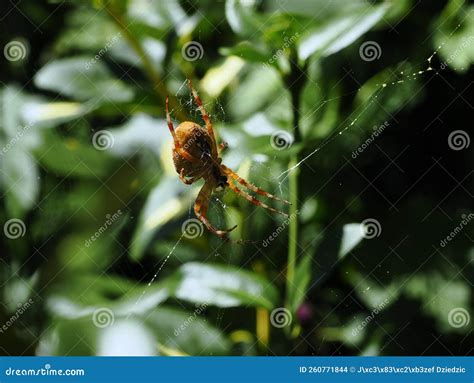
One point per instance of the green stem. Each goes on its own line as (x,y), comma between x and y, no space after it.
(158,86)
(294,82)
(293,226)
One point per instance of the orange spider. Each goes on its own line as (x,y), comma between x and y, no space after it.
(196,155)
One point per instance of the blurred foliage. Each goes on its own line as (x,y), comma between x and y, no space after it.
(100,71)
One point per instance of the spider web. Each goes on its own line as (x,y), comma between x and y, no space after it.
(217,201)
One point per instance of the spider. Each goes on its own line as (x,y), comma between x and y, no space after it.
(196,155)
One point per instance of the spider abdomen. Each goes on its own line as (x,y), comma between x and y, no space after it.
(196,141)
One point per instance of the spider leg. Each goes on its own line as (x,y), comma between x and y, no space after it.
(205,117)
(201,206)
(177,145)
(248,185)
(188,181)
(170,125)
(253,200)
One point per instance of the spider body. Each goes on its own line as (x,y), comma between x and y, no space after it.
(196,155)
(194,140)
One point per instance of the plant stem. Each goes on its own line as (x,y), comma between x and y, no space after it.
(158,86)
(294,82)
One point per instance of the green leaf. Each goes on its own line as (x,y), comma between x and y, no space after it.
(352,235)
(82,78)
(457,51)
(70,157)
(260,87)
(141,131)
(187,332)
(338,33)
(299,287)
(318,9)
(223,286)
(242,17)
(165,203)
(19,173)
(246,51)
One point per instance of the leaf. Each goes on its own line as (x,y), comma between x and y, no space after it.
(242,18)
(352,235)
(187,332)
(19,173)
(20,176)
(246,51)
(70,157)
(318,9)
(338,33)
(260,86)
(223,286)
(44,113)
(302,278)
(141,131)
(82,78)
(219,77)
(163,205)
(457,51)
